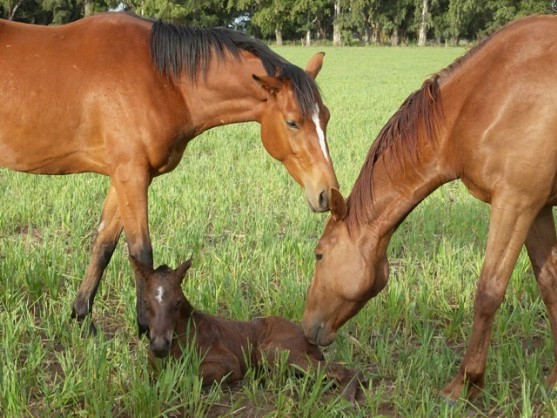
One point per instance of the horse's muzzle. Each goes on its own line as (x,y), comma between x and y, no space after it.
(317,333)
(160,347)
(321,204)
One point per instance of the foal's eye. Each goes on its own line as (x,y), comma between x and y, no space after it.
(292,124)
(318,256)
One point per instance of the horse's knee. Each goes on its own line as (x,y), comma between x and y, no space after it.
(488,300)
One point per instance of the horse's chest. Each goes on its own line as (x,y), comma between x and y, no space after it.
(168,159)
(477,189)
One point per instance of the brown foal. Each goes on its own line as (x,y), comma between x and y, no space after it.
(227,346)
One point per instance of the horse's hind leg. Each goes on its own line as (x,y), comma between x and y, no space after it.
(541,244)
(348,380)
(220,363)
(106,239)
(511,219)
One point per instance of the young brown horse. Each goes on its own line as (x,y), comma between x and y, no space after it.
(122,96)
(488,119)
(224,344)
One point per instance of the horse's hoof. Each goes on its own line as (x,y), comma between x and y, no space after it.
(92,329)
(88,328)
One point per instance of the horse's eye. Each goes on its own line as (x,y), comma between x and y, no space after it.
(318,256)
(292,124)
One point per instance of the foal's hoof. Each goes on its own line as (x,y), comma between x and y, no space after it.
(92,331)
(351,389)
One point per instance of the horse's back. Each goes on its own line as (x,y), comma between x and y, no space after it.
(60,87)
(500,105)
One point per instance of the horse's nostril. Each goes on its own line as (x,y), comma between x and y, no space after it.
(160,348)
(323,200)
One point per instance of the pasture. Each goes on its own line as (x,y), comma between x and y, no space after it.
(251,235)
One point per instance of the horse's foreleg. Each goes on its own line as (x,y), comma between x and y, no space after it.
(509,225)
(541,244)
(106,239)
(131,187)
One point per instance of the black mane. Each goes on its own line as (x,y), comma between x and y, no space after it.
(176,48)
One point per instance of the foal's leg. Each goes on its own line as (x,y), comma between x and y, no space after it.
(509,225)
(218,364)
(348,380)
(106,239)
(541,244)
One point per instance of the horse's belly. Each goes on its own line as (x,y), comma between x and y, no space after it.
(552,200)
(27,157)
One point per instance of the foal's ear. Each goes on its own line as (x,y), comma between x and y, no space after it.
(140,269)
(181,271)
(314,64)
(337,205)
(271,84)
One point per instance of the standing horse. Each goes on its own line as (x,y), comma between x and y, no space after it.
(489,119)
(122,96)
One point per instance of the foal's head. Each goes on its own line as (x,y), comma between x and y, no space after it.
(165,302)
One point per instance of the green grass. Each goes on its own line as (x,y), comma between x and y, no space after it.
(246,224)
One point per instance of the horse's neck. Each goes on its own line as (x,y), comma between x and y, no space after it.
(187,320)
(397,192)
(228,94)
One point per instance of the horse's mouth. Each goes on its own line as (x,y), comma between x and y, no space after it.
(319,334)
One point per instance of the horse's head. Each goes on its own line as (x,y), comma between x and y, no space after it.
(165,302)
(349,270)
(293,130)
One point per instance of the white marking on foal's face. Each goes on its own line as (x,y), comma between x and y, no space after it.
(320,133)
(159,294)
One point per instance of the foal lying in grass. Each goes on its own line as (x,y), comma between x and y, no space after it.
(225,344)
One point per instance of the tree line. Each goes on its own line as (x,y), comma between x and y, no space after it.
(306,21)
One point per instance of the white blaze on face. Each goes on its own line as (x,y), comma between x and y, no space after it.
(159,294)
(320,133)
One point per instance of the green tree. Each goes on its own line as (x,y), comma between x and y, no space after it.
(395,18)
(270,16)
(502,12)
(202,13)
(10,8)
(362,17)
(312,17)
(424,21)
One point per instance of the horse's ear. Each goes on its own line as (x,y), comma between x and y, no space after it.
(314,64)
(271,84)
(141,270)
(337,205)
(181,271)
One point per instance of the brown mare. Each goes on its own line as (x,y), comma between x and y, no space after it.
(227,347)
(122,96)
(489,119)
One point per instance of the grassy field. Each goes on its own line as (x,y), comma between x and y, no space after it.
(251,235)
